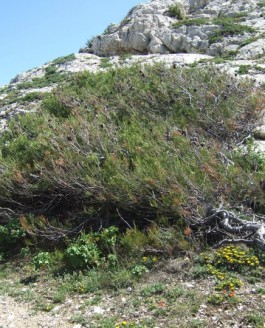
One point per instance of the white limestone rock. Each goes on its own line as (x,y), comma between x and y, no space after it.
(147,29)
(252,50)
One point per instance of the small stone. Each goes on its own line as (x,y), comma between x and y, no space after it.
(98,310)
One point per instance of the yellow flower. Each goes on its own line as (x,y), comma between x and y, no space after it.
(144,258)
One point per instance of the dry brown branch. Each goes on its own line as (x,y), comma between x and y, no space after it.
(232,229)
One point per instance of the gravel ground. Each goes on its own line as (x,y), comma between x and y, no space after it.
(20,315)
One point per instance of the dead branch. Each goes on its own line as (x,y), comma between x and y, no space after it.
(232,229)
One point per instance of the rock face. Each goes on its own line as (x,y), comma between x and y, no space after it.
(166,26)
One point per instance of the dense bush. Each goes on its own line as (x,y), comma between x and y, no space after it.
(93,249)
(133,145)
(10,235)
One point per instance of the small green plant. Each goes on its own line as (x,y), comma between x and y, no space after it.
(50,70)
(11,234)
(196,323)
(83,253)
(25,251)
(176,11)
(229,284)
(94,249)
(243,69)
(192,22)
(105,62)
(173,293)
(149,261)
(154,289)
(59,296)
(260,290)
(228,26)
(31,96)
(216,299)
(255,318)
(235,258)
(42,260)
(139,270)
(45,307)
(79,318)
(63,60)
(56,106)
(261,4)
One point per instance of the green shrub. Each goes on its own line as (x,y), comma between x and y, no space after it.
(56,106)
(31,96)
(130,146)
(139,270)
(229,27)
(42,260)
(255,318)
(192,22)
(176,11)
(63,60)
(83,253)
(261,4)
(11,234)
(50,70)
(243,69)
(105,62)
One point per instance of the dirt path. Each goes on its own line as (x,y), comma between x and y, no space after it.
(20,315)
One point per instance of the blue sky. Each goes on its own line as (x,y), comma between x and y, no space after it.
(33,32)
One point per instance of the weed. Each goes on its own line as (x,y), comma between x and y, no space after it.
(59,296)
(153,290)
(192,22)
(139,270)
(243,69)
(261,4)
(42,260)
(105,63)
(63,60)
(176,11)
(228,27)
(51,77)
(173,293)
(255,318)
(10,235)
(82,253)
(260,68)
(235,258)
(260,291)
(216,299)
(31,96)
(79,318)
(196,323)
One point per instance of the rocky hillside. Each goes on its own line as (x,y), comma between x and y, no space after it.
(133,166)
(229,34)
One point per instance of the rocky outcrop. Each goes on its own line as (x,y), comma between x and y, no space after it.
(212,27)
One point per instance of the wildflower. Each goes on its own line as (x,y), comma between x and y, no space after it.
(144,258)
